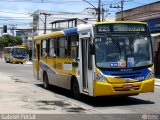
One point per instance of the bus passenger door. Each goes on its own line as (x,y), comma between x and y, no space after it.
(86,62)
(36,62)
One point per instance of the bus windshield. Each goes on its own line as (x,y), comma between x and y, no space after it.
(123,51)
(19,51)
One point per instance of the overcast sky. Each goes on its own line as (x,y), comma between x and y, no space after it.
(19,11)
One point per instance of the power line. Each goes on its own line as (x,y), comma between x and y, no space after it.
(71,2)
(20,18)
(14,12)
(55,12)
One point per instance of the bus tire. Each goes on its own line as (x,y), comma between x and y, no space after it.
(75,89)
(45,81)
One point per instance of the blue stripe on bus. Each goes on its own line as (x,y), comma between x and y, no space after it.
(70,31)
(46,68)
(128,74)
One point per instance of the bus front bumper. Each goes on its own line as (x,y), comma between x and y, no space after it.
(18,60)
(107,89)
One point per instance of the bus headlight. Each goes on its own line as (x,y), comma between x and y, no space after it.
(150,75)
(100,77)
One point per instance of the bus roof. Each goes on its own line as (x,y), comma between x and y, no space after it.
(52,34)
(81,27)
(65,32)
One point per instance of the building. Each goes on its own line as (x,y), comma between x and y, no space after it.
(27,36)
(68,23)
(43,20)
(150,14)
(24,33)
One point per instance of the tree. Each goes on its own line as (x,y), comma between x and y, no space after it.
(8,40)
(18,40)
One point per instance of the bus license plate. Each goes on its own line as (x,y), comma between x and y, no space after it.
(127,86)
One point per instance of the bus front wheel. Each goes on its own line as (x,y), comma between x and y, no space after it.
(75,89)
(45,81)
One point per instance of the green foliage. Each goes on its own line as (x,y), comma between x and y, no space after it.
(8,40)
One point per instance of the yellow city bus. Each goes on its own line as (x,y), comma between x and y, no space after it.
(15,54)
(102,59)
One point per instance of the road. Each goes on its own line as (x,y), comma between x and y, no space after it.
(21,72)
(148,103)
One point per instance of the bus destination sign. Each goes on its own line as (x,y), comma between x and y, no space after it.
(128,27)
(121,28)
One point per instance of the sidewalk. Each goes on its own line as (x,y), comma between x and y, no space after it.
(28,62)
(18,97)
(157,81)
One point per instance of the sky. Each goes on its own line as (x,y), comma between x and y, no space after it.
(18,12)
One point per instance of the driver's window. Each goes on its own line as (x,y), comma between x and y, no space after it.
(100,49)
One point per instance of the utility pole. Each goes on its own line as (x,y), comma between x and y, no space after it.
(99,10)
(122,4)
(45,20)
(102,13)
(12,28)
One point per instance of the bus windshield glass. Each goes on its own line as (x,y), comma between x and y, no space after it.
(19,51)
(123,51)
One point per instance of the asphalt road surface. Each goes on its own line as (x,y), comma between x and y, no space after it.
(143,104)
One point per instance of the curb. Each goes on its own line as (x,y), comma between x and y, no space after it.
(157,84)
(29,62)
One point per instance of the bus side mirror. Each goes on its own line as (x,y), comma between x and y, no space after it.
(92,49)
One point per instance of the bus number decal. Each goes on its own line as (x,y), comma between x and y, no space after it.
(59,65)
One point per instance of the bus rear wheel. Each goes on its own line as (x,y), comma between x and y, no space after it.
(75,89)
(45,81)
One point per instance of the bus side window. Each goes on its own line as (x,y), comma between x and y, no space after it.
(61,42)
(43,48)
(57,47)
(52,47)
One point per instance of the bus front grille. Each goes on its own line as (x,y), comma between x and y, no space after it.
(127,89)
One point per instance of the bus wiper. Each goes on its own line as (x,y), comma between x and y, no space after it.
(137,35)
(109,34)
(113,40)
